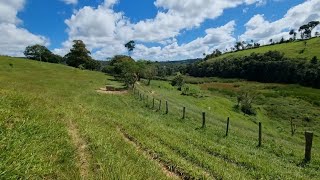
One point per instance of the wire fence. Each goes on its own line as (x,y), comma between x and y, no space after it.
(201,118)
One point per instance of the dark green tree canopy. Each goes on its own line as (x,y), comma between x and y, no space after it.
(130,46)
(306,29)
(41,53)
(80,55)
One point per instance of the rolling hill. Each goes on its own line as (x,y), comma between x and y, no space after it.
(297,49)
(55,125)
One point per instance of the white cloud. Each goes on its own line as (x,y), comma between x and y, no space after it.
(103,29)
(70,1)
(14,39)
(260,29)
(215,38)
(9,10)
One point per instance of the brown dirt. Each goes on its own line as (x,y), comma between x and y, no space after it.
(83,155)
(104,91)
(164,168)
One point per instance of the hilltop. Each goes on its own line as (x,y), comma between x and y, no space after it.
(299,49)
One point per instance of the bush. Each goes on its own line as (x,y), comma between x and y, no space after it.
(178,81)
(245,103)
(190,91)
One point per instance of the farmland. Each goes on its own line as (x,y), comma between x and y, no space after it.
(54,125)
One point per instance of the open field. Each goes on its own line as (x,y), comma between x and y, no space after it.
(54,125)
(294,50)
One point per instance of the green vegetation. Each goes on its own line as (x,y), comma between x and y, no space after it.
(298,49)
(269,67)
(40,102)
(79,57)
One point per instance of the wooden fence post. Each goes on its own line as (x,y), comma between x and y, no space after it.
(152,103)
(159,105)
(228,121)
(260,134)
(167,108)
(203,119)
(308,136)
(184,113)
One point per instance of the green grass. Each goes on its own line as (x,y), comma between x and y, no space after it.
(290,50)
(38,100)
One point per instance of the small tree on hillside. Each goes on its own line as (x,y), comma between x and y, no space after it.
(306,29)
(130,46)
(178,81)
(41,53)
(150,72)
(293,34)
(79,55)
(128,72)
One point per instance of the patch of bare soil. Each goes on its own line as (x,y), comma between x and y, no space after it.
(83,155)
(104,91)
(164,168)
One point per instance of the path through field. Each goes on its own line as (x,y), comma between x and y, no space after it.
(82,152)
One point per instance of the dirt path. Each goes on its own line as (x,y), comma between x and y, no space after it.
(83,155)
(164,168)
(104,91)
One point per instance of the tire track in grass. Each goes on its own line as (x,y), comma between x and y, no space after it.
(83,155)
(170,171)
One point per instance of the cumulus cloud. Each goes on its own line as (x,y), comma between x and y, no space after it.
(70,1)
(260,29)
(14,39)
(215,38)
(9,10)
(105,31)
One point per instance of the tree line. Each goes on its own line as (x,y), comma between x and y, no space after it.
(269,67)
(304,30)
(79,56)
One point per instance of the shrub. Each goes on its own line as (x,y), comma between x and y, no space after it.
(178,81)
(245,103)
(190,91)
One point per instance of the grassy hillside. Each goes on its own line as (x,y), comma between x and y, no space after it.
(54,125)
(291,50)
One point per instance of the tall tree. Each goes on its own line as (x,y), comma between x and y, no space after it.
(306,29)
(130,46)
(78,55)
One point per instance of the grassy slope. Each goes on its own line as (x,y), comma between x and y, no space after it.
(38,99)
(291,50)
(36,102)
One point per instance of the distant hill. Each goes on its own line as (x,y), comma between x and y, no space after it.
(298,49)
(186,61)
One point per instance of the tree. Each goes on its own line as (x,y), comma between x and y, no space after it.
(128,73)
(293,33)
(41,53)
(130,46)
(238,45)
(306,29)
(178,81)
(150,72)
(79,55)
(118,59)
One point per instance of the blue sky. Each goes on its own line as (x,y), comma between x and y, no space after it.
(163,29)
